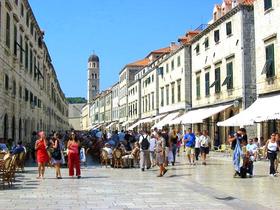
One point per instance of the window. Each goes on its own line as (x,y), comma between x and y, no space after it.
(198,86)
(217,36)
(26,55)
(14,88)
(228,28)
(179,90)
(20,92)
(167,94)
(229,78)
(197,49)
(267,4)
(167,68)
(21,10)
(269,67)
(153,100)
(15,40)
(21,50)
(31,61)
(172,65)
(8,28)
(6,82)
(27,19)
(217,80)
(206,42)
(207,84)
(173,93)
(178,61)
(32,28)
(26,94)
(162,96)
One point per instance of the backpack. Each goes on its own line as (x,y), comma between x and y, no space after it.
(145,144)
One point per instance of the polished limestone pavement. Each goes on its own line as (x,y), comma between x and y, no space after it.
(183,187)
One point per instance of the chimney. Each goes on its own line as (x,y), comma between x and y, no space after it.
(173,46)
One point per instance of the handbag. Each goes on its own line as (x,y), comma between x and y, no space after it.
(56,154)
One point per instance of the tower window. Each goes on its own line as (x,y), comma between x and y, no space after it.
(93,65)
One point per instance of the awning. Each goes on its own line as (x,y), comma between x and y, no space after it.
(125,123)
(146,120)
(198,115)
(166,120)
(110,125)
(158,117)
(263,109)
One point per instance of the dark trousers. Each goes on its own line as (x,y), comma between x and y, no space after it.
(272,157)
(197,151)
(174,150)
(250,167)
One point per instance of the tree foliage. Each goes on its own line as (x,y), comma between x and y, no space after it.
(76,100)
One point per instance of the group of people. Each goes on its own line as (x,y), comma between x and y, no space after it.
(248,151)
(52,152)
(159,147)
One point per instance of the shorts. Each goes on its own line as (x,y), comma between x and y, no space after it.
(204,150)
(189,150)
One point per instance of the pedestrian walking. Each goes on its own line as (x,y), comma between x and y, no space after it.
(160,154)
(204,146)
(197,144)
(189,140)
(277,138)
(74,156)
(42,154)
(56,156)
(271,151)
(144,151)
(152,149)
(173,139)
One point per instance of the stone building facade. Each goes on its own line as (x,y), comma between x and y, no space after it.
(223,65)
(30,93)
(267,32)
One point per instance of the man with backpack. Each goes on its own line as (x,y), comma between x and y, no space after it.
(144,151)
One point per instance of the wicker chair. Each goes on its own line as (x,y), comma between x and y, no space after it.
(117,155)
(5,171)
(104,158)
(20,161)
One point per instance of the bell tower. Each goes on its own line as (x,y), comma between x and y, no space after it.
(93,77)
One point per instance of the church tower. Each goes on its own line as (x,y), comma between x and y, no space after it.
(93,77)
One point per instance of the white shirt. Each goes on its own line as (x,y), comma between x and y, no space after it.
(109,151)
(205,141)
(152,144)
(197,141)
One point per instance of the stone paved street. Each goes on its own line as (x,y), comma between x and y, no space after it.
(183,187)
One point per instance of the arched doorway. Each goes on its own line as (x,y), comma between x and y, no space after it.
(20,130)
(14,128)
(6,127)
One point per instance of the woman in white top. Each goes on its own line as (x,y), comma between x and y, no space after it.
(271,150)
(204,146)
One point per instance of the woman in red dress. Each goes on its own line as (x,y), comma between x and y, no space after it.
(42,154)
(74,156)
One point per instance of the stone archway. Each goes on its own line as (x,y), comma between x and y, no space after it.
(14,129)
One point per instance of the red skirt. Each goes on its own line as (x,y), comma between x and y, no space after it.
(42,156)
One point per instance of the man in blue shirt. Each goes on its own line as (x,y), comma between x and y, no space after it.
(18,149)
(189,140)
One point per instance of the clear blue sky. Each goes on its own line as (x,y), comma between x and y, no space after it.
(119,31)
